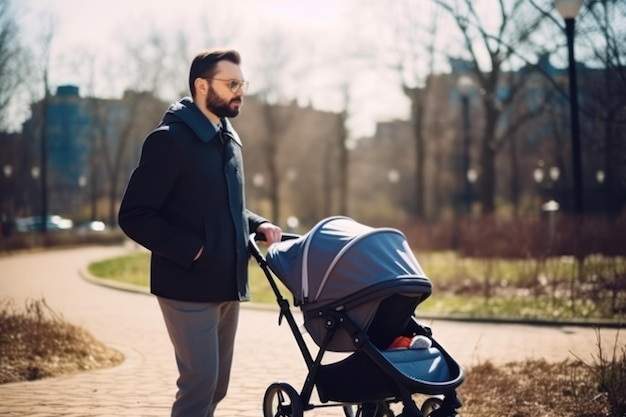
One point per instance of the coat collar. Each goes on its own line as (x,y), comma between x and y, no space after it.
(187,112)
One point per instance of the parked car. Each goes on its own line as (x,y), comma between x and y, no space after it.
(53,223)
(92,226)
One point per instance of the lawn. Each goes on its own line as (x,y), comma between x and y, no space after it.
(459,287)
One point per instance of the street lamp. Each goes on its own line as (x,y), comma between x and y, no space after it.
(551,207)
(393,176)
(465,86)
(568,9)
(6,196)
(554,173)
(258,180)
(82,183)
(538,177)
(600,176)
(35,172)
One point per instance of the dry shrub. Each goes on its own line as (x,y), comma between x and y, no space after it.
(36,343)
(531,389)
(541,237)
(608,368)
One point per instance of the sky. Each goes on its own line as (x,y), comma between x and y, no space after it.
(307,30)
(297,46)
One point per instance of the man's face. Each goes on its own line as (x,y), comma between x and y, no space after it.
(221,100)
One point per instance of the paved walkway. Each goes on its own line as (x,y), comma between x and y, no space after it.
(144,385)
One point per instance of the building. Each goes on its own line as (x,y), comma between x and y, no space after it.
(83,149)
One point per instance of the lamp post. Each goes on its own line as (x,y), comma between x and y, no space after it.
(35,173)
(568,9)
(291,176)
(393,176)
(472,177)
(465,86)
(82,183)
(7,192)
(538,177)
(602,197)
(258,180)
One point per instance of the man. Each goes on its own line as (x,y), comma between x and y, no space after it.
(185,203)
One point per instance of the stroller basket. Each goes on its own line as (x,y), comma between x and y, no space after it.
(373,371)
(358,378)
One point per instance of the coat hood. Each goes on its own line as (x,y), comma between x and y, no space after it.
(186,111)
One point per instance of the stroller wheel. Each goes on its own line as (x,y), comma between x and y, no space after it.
(430,405)
(373,409)
(282,400)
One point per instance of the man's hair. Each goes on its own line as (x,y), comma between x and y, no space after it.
(205,62)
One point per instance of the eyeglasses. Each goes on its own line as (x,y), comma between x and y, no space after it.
(234,85)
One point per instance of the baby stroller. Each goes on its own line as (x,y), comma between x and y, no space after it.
(357,288)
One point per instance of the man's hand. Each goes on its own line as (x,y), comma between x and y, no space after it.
(271,232)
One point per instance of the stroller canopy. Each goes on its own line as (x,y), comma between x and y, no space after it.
(340,256)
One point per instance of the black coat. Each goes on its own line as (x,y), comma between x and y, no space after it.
(181,197)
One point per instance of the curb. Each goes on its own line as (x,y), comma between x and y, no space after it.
(123,286)
(139,289)
(601,324)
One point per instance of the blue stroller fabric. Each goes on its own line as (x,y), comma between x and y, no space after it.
(340,258)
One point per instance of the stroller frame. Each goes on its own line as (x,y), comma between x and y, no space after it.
(444,400)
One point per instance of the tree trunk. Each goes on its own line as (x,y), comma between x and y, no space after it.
(515,175)
(417,97)
(487,184)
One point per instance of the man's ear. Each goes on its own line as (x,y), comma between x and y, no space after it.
(202,86)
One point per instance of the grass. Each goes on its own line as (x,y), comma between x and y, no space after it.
(131,269)
(452,294)
(135,269)
(512,308)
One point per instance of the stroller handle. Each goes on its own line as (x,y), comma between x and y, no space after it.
(260,237)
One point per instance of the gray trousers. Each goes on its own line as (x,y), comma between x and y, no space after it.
(203,335)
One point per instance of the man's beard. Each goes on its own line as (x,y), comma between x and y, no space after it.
(220,107)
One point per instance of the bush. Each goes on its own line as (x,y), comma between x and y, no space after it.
(37,343)
(609,371)
(533,388)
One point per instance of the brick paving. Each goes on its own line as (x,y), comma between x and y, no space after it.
(144,384)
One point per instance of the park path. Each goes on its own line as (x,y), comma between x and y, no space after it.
(143,386)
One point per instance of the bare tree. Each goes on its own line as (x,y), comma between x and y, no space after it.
(276,116)
(343,145)
(154,67)
(414,47)
(493,53)
(601,38)
(141,114)
(606,40)
(84,63)
(13,59)
(47,36)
